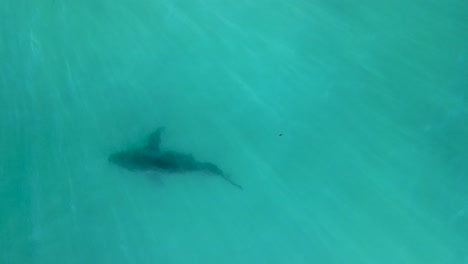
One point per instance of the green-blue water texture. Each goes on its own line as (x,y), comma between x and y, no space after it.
(346,123)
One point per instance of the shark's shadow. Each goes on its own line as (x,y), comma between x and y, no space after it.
(152,158)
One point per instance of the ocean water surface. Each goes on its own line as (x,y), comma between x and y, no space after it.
(345,122)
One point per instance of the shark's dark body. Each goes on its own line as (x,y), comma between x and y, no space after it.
(151,158)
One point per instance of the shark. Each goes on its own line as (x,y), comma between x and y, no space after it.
(150,157)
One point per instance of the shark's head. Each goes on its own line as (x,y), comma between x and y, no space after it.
(123,159)
(134,159)
(117,158)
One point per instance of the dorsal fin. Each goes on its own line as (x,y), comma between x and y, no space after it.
(154,140)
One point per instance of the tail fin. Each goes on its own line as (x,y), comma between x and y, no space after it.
(213,169)
(226,177)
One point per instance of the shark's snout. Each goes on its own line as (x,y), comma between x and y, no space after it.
(114,158)
(120,159)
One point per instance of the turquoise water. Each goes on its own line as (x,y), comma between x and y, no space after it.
(370,98)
